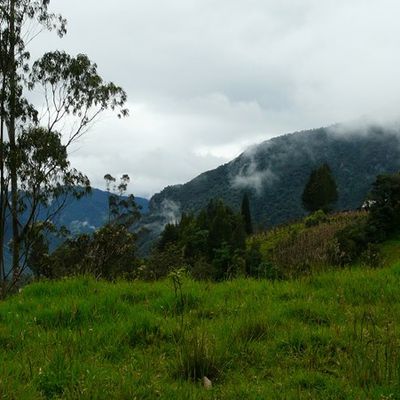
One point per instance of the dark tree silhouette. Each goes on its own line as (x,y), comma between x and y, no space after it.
(320,192)
(384,209)
(245,211)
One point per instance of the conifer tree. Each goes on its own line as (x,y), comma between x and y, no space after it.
(320,192)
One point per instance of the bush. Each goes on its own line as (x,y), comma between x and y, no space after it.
(161,263)
(109,253)
(371,256)
(350,243)
(315,219)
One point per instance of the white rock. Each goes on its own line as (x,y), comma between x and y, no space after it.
(207,383)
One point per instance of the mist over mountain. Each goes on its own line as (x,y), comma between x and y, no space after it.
(275,172)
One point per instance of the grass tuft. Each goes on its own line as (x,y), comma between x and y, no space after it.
(197,357)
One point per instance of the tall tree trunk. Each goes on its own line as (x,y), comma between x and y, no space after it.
(3,191)
(13,146)
(3,188)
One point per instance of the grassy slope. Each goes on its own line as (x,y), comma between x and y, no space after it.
(331,336)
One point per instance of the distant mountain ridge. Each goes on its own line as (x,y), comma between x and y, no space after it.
(84,215)
(275,172)
(90,212)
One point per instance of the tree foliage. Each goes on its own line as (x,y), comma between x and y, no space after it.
(34,141)
(320,192)
(122,209)
(359,240)
(212,244)
(108,253)
(384,209)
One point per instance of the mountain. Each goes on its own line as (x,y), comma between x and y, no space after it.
(90,212)
(82,216)
(275,172)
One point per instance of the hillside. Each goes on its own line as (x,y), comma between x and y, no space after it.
(90,212)
(81,216)
(334,335)
(275,172)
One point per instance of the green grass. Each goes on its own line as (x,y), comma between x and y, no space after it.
(335,335)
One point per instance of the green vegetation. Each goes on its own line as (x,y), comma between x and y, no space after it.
(306,247)
(329,336)
(34,140)
(214,244)
(108,253)
(355,157)
(320,192)
(384,206)
(210,245)
(323,322)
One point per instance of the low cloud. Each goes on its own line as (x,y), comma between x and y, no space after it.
(168,212)
(364,125)
(256,180)
(78,226)
(250,176)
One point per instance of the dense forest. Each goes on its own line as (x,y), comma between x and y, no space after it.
(275,172)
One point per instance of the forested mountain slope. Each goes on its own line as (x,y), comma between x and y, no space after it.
(275,172)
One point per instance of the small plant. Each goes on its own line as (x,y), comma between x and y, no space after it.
(177,276)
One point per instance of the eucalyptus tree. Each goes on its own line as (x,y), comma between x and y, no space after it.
(34,167)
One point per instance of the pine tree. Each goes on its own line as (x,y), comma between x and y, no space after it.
(320,192)
(245,211)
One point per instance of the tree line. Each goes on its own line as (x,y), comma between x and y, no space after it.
(35,171)
(214,244)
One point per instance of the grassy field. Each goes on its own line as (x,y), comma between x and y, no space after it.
(335,335)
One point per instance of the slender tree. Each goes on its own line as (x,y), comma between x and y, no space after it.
(245,211)
(122,209)
(34,166)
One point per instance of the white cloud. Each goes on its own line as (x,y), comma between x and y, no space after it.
(205,79)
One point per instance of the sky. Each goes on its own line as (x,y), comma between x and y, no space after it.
(206,79)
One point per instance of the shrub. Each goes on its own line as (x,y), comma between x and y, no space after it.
(371,256)
(351,241)
(109,253)
(315,219)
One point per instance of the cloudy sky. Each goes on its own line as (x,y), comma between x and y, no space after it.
(206,79)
